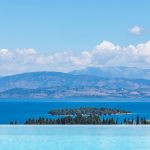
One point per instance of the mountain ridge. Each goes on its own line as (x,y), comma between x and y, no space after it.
(115,72)
(59,85)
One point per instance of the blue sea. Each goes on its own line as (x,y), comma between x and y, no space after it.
(22,109)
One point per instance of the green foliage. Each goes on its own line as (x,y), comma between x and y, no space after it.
(86,111)
(85,115)
(72,120)
(13,122)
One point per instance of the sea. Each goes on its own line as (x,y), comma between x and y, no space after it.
(22,109)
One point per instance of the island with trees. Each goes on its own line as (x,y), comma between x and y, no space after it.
(87,111)
(84,115)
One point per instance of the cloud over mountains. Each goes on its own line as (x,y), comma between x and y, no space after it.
(104,54)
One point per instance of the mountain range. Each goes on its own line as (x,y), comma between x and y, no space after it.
(115,72)
(89,82)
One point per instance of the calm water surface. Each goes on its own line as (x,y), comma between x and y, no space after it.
(75,137)
(21,109)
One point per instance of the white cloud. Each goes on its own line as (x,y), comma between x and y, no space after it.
(104,54)
(106,46)
(28,51)
(5,53)
(136,30)
(131,55)
(83,59)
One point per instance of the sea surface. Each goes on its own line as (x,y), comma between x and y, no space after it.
(23,109)
(75,137)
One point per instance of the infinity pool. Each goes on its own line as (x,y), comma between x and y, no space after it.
(67,137)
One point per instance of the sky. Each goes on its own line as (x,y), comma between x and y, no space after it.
(65,35)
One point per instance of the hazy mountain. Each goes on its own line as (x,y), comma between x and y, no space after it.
(115,72)
(34,80)
(56,84)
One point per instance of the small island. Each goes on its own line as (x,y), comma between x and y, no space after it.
(87,111)
(84,115)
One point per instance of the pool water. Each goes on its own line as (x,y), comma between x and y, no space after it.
(75,137)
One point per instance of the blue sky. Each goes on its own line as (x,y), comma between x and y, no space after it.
(60,25)
(70,26)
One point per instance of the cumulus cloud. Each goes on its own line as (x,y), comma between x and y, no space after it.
(104,54)
(29,51)
(130,56)
(5,53)
(136,30)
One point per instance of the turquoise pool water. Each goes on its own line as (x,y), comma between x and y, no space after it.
(118,137)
